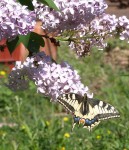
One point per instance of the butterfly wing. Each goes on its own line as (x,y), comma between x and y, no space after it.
(97,111)
(72,102)
(102,110)
(87,111)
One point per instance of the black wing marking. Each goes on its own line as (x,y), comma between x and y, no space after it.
(70,101)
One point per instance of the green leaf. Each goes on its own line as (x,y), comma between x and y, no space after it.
(35,42)
(24,39)
(37,38)
(27,3)
(49,3)
(12,44)
(31,41)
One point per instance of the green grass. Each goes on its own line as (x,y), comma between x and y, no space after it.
(40,125)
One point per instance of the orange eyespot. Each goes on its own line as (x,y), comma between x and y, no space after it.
(82,121)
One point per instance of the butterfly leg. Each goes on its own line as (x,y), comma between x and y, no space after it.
(75,121)
(73,126)
(89,127)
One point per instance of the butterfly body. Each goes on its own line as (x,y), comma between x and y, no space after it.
(87,111)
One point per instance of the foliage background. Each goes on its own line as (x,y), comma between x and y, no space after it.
(29,121)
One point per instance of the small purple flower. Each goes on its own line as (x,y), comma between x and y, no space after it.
(123,24)
(17,80)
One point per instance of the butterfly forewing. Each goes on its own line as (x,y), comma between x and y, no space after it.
(71,101)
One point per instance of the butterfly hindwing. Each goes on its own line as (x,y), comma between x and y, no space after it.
(97,111)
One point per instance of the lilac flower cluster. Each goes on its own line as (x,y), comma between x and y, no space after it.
(73,14)
(83,23)
(97,31)
(108,25)
(123,25)
(95,34)
(17,80)
(15,19)
(50,78)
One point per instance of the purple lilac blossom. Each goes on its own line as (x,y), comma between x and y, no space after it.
(50,78)
(88,20)
(72,14)
(17,80)
(123,24)
(84,22)
(97,31)
(15,19)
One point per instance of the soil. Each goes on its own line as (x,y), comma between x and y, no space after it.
(117,9)
(117,57)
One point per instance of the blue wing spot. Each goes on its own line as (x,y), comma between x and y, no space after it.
(76,119)
(89,122)
(93,121)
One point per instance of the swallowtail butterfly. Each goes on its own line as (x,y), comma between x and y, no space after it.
(87,111)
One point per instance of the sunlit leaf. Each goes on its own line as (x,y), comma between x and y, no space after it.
(50,3)
(31,41)
(27,3)
(12,44)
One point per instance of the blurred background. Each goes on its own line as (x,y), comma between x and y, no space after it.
(118,7)
(29,121)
